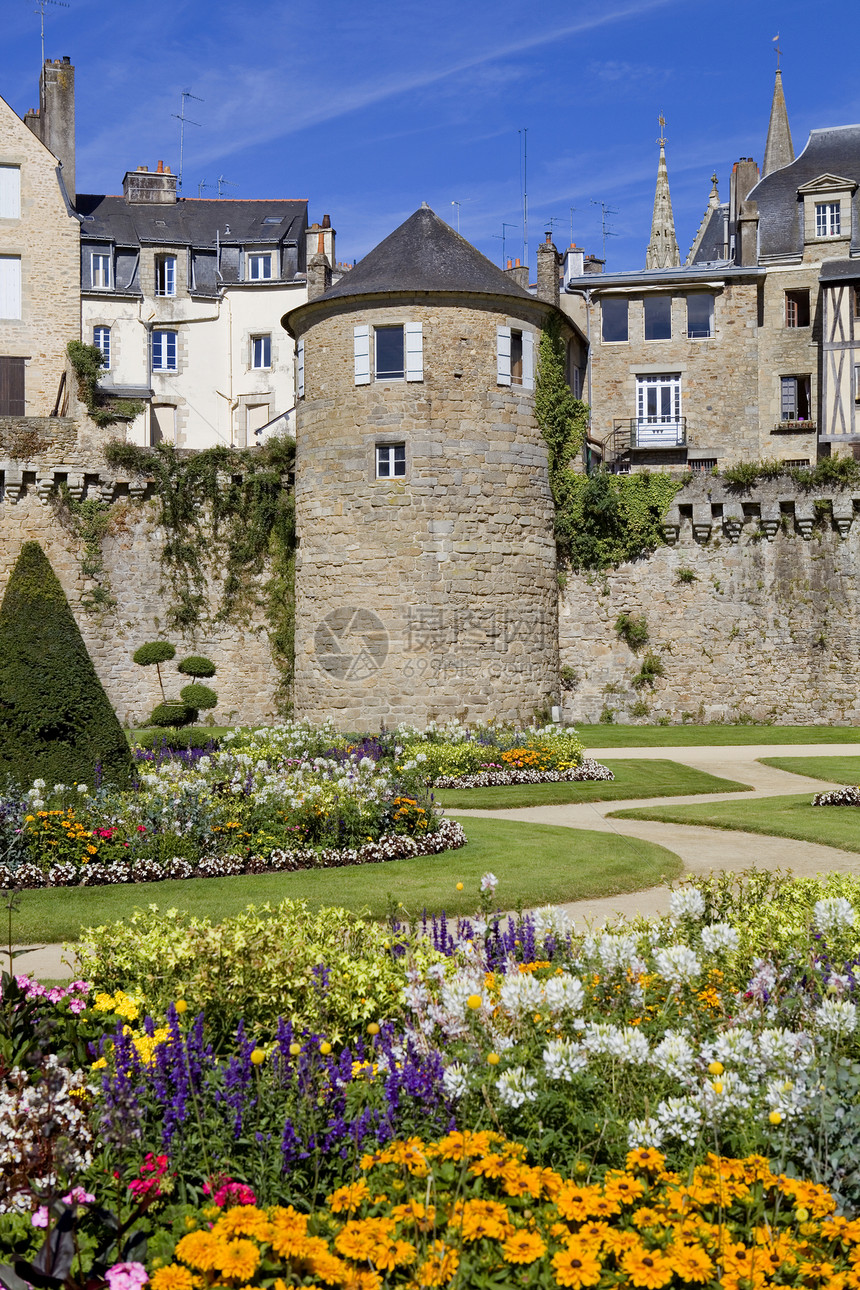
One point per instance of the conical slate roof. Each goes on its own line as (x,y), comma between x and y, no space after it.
(779,150)
(424,254)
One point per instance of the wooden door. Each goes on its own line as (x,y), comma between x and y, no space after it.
(12,387)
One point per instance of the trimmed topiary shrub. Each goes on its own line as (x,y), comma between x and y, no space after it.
(56,722)
(196,665)
(198,696)
(173,713)
(158,741)
(156,652)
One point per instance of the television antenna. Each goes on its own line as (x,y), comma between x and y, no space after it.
(224,183)
(572,209)
(40,10)
(524,178)
(501,237)
(182,118)
(605,212)
(201,187)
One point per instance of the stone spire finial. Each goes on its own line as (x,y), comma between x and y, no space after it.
(714,197)
(662,250)
(779,150)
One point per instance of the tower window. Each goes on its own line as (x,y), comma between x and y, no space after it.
(390,460)
(516,357)
(658,318)
(797,308)
(390,353)
(614,314)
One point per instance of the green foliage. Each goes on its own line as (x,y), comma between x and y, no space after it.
(569,677)
(56,722)
(561,417)
(633,630)
(89,521)
(836,472)
(686,576)
(172,713)
(651,668)
(87,364)
(198,696)
(195,665)
(608,519)
(178,739)
(232,508)
(254,967)
(155,652)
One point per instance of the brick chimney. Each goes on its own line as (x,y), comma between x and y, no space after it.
(326,247)
(547,271)
(519,273)
(319,269)
(150,187)
(54,123)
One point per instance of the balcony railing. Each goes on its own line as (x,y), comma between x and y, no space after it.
(649,432)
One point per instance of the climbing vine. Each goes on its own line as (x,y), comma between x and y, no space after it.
(230,509)
(87,363)
(601,520)
(89,521)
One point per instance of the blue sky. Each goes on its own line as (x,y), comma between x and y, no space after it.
(369,109)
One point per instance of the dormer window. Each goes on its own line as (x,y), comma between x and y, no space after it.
(260,266)
(828,221)
(165,275)
(101,271)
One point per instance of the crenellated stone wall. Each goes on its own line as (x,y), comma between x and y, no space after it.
(753,610)
(246,680)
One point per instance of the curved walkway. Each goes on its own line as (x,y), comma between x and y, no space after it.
(702,850)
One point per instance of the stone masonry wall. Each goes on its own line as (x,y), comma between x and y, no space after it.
(753,610)
(246,680)
(434,595)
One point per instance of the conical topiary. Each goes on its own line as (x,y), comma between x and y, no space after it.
(56,722)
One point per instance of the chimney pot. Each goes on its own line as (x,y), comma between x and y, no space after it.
(159,169)
(548,238)
(517,262)
(510,263)
(326,221)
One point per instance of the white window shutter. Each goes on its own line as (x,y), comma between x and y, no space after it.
(10,286)
(414,351)
(503,355)
(362,355)
(300,370)
(528,360)
(10,192)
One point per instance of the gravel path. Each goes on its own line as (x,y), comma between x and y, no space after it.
(702,850)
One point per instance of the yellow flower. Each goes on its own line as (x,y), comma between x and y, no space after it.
(716,1068)
(325,1048)
(258,1056)
(373,1028)
(473,1002)
(244,1220)
(575,1267)
(775,1117)
(173,1277)
(181,1005)
(295,1049)
(199,1250)
(348,1197)
(98,1065)
(237,1260)
(459,886)
(523,1247)
(493,1059)
(289,1229)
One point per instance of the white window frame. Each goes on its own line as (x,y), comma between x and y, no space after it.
(264,341)
(161,351)
(396,376)
(10,287)
(504,373)
(361,351)
(702,295)
(828,219)
(792,386)
(390,456)
(100,270)
(257,260)
(165,275)
(10,192)
(658,418)
(101,340)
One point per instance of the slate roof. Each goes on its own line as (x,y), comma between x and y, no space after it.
(834,151)
(840,271)
(710,248)
(191,221)
(425,254)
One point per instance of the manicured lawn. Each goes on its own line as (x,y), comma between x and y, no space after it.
(783,817)
(536,864)
(838,770)
(599,736)
(633,778)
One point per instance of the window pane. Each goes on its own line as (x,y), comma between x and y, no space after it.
(262,351)
(260,267)
(516,358)
(614,319)
(101,340)
(101,271)
(700,317)
(390,460)
(389,353)
(789,398)
(658,318)
(797,308)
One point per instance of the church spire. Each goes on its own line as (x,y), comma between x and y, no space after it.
(662,250)
(779,150)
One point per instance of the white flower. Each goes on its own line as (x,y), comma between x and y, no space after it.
(551,918)
(687,901)
(489,883)
(521,993)
(679,1118)
(618,953)
(626,1043)
(38,783)
(564,994)
(516,1086)
(674,1055)
(719,937)
(562,1059)
(677,964)
(833,914)
(644,1133)
(59,788)
(455,1081)
(82,788)
(837,1015)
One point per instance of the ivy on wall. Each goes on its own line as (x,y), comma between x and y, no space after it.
(230,509)
(89,521)
(87,364)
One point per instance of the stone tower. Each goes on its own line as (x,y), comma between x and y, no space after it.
(662,250)
(426,583)
(779,150)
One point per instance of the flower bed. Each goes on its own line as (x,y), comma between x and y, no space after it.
(494,776)
(838,797)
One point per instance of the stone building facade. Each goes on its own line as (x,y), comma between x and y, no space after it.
(39,285)
(747,351)
(426,581)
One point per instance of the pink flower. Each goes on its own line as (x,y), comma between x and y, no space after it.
(77,1005)
(40,1217)
(77,1196)
(126,1276)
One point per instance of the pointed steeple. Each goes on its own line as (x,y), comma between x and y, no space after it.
(662,250)
(779,150)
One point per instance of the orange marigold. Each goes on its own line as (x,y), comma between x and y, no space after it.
(289,1229)
(199,1250)
(648,1268)
(237,1260)
(348,1197)
(173,1277)
(523,1247)
(576,1267)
